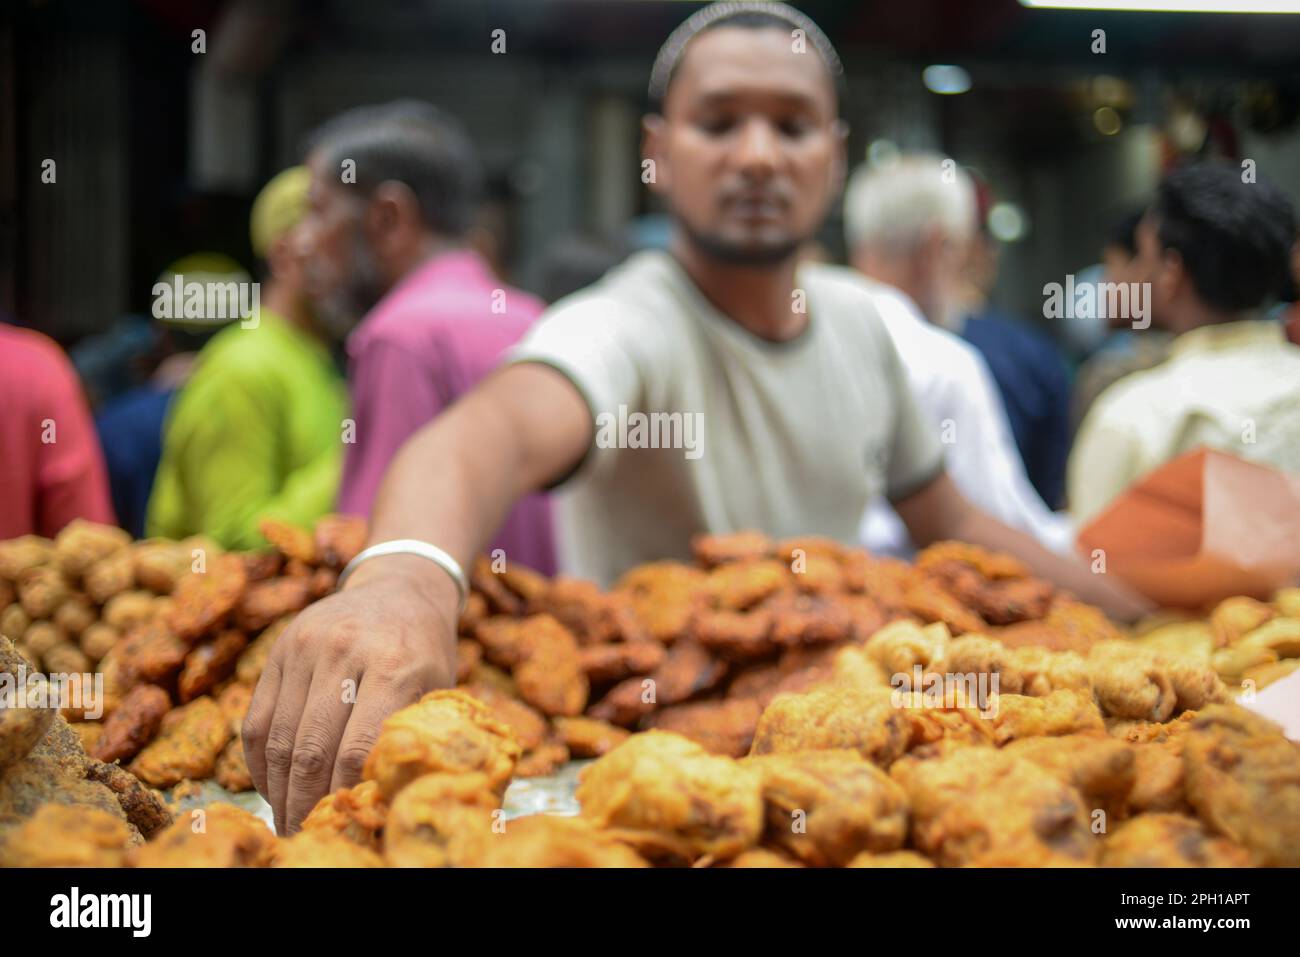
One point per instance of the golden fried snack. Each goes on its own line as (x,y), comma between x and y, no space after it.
(61,836)
(739,585)
(1130,682)
(1067,711)
(665,597)
(550,675)
(1159,779)
(1243,779)
(855,668)
(445,731)
(292,542)
(66,658)
(152,653)
(129,609)
(1281,636)
(1103,770)
(524,581)
(932,602)
(98,639)
(587,737)
(1234,617)
(41,590)
(526,724)
(1265,674)
(231,770)
(687,671)
(160,564)
(261,566)
(1169,840)
(543,840)
(1028,670)
(484,579)
(233,701)
(441,820)
(22,727)
(735,635)
(892,859)
(81,543)
(356,814)
(42,637)
(807,620)
(109,576)
(714,550)
(323,849)
(17,555)
(865,720)
(187,745)
(133,724)
(1004,602)
(816,573)
(760,857)
(209,663)
(504,640)
(219,835)
(990,565)
(253,658)
(1143,732)
(203,600)
(977,807)
(670,799)
(88,731)
(144,808)
(902,645)
(75,615)
(339,538)
(824,807)
(593,616)
(264,602)
(546,758)
(720,727)
(616,660)
(14,621)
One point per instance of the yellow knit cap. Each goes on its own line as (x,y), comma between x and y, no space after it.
(278,207)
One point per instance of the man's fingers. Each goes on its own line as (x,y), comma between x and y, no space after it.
(282,738)
(374,704)
(329,705)
(257,723)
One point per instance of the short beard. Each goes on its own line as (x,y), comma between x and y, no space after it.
(733,254)
(339,313)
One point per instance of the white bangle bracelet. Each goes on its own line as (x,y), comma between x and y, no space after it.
(413,546)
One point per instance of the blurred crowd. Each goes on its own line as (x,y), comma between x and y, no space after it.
(377,312)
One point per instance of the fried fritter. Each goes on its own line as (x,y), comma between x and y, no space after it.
(670,799)
(468,654)
(133,723)
(542,840)
(546,758)
(587,737)
(445,731)
(739,585)
(323,849)
(713,550)
(21,727)
(931,602)
(210,663)
(720,727)
(550,676)
(441,820)
(665,596)
(617,660)
(41,590)
(593,616)
(825,807)
(219,835)
(1029,671)
(688,670)
(760,857)
(231,770)
(203,600)
(1243,779)
(865,720)
(977,807)
(735,635)
(264,602)
(144,808)
(159,564)
(356,814)
(81,543)
(807,620)
(993,566)
(61,836)
(109,576)
(526,724)
(339,538)
(1103,770)
(902,645)
(1062,712)
(1130,683)
(292,542)
(152,653)
(187,745)
(17,555)
(892,859)
(1234,617)
(129,609)
(1169,840)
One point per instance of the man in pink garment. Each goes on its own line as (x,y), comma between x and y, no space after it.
(392,195)
(51,466)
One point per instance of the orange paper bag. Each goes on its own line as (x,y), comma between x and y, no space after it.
(1201,528)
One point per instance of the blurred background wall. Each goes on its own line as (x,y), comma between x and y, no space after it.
(159,149)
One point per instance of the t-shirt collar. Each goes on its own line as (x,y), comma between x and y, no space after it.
(1228,336)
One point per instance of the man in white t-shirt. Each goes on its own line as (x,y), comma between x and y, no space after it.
(781,400)
(908,225)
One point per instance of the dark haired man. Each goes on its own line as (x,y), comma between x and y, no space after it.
(1215,251)
(394,190)
(805,403)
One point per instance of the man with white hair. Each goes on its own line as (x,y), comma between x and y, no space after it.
(908,226)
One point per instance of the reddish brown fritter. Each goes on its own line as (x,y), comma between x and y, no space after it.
(231,771)
(151,653)
(321,583)
(616,660)
(1169,840)
(808,620)
(735,635)
(187,746)
(132,724)
(587,737)
(488,583)
(739,585)
(339,538)
(210,663)
(713,550)
(203,600)
(931,602)
(990,565)
(665,596)
(525,723)
(550,676)
(219,835)
(593,616)
(260,566)
(143,807)
(865,720)
(292,542)
(720,727)
(523,581)
(817,573)
(688,670)
(266,601)
(504,640)
(356,813)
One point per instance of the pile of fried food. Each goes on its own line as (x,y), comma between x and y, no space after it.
(178,633)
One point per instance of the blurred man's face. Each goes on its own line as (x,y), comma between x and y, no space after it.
(342,276)
(1150,265)
(749,153)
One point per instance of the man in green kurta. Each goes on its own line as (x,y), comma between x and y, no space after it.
(258,430)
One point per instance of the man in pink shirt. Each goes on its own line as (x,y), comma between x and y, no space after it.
(393,192)
(51,466)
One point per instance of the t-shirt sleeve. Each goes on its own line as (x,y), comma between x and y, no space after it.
(600,347)
(915,455)
(72,479)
